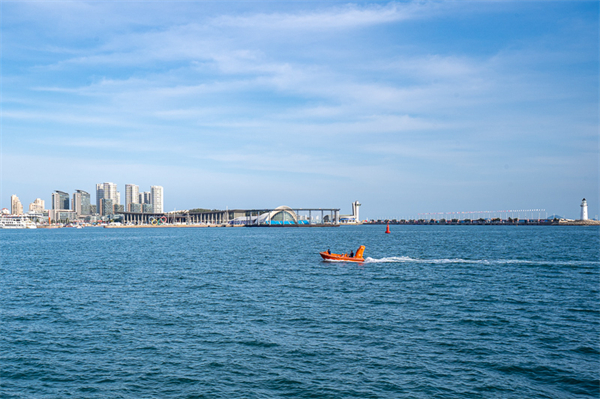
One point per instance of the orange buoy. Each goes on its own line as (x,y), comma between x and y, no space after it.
(387,231)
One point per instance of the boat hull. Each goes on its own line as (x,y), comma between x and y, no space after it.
(339,258)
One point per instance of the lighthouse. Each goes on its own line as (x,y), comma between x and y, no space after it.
(584,215)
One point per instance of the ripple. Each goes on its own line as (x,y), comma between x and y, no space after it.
(226,313)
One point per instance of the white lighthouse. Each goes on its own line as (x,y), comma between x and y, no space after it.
(584,215)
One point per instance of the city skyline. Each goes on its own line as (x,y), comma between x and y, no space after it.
(148,198)
(81,201)
(411,107)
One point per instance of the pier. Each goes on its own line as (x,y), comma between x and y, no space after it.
(282,216)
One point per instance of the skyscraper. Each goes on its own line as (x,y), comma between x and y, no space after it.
(99,196)
(132,196)
(156,193)
(60,200)
(16,208)
(107,191)
(145,197)
(107,207)
(81,203)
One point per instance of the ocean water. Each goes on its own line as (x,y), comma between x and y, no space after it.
(434,312)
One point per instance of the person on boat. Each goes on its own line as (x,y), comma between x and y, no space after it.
(352,254)
(328,251)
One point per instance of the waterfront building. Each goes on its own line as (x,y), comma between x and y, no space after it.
(584,210)
(60,200)
(37,206)
(145,197)
(147,208)
(132,195)
(81,203)
(16,208)
(107,191)
(93,210)
(135,208)
(99,195)
(281,216)
(119,208)
(62,215)
(156,199)
(106,207)
(355,217)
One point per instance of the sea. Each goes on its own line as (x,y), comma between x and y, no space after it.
(433,312)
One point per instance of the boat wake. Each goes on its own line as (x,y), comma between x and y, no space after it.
(407,259)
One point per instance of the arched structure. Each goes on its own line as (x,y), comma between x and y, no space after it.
(280,215)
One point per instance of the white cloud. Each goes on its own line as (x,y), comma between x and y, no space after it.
(350,16)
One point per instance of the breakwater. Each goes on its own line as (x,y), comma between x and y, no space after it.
(495,222)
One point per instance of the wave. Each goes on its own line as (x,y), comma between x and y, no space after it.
(407,259)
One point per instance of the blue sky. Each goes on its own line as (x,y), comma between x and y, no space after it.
(408,107)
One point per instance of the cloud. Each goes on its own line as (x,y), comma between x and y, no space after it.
(321,91)
(350,16)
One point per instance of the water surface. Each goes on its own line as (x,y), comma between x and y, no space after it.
(435,311)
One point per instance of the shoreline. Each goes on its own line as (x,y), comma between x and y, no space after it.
(375,223)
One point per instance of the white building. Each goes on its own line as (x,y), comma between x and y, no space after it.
(16,208)
(156,193)
(132,196)
(37,206)
(355,217)
(107,191)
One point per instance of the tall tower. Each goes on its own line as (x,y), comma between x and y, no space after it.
(81,202)
(107,191)
(60,200)
(584,215)
(99,196)
(16,208)
(156,198)
(132,196)
(355,209)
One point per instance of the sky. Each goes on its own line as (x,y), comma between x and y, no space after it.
(408,107)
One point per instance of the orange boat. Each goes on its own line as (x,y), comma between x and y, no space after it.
(327,256)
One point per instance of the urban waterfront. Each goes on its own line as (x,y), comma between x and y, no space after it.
(434,311)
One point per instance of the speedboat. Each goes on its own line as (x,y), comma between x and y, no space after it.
(331,257)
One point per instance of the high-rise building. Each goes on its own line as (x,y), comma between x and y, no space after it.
(107,207)
(81,203)
(107,191)
(99,195)
(93,209)
(156,193)
(16,208)
(145,197)
(132,196)
(60,200)
(37,206)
